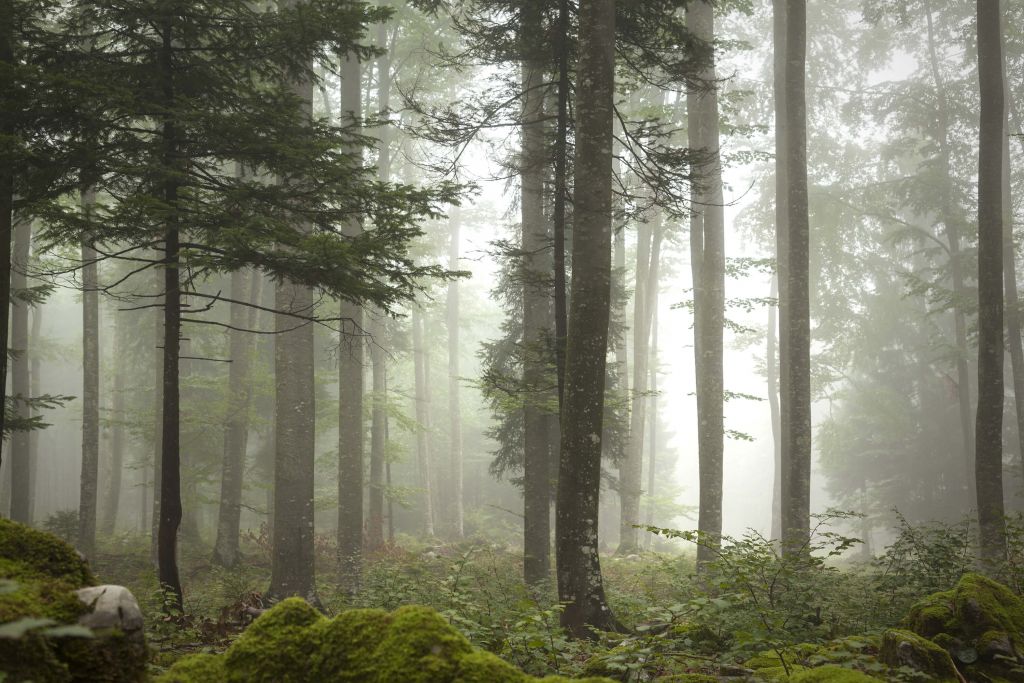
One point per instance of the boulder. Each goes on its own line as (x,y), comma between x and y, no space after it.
(56,625)
(904,648)
(293,643)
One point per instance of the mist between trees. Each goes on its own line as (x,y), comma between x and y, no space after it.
(311,287)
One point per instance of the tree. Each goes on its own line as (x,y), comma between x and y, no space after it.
(454,402)
(351,352)
(794,304)
(20,455)
(580,585)
(90,392)
(421,400)
(989,425)
(707,256)
(112,490)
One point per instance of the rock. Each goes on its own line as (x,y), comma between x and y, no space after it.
(904,648)
(113,607)
(293,643)
(980,623)
(43,577)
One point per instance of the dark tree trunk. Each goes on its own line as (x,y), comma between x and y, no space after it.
(245,286)
(90,395)
(989,426)
(536,323)
(580,585)
(158,406)
(112,494)
(795,345)
(454,405)
(423,423)
(560,218)
(20,456)
(351,346)
(707,239)
(35,389)
(6,212)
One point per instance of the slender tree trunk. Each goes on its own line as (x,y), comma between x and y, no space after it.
(423,423)
(90,395)
(350,381)
(7,129)
(772,372)
(112,495)
(378,440)
(561,195)
(20,456)
(158,406)
(707,239)
(245,286)
(35,372)
(387,464)
(580,585)
(536,322)
(988,445)
(781,236)
(952,223)
(652,446)
(454,403)
(795,345)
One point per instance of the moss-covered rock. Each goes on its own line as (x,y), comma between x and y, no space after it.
(41,579)
(905,648)
(293,643)
(980,623)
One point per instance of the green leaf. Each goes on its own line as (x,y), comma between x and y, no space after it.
(16,629)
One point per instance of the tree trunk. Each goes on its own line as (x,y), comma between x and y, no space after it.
(772,372)
(90,395)
(7,130)
(158,406)
(245,286)
(951,224)
(560,218)
(20,457)
(652,446)
(707,239)
(536,325)
(580,585)
(795,345)
(378,439)
(989,426)
(423,423)
(351,347)
(454,404)
(35,373)
(112,495)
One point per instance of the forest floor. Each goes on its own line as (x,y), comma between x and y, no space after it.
(750,602)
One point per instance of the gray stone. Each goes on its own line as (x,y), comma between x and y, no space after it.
(113,607)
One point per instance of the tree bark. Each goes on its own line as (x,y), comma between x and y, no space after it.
(795,402)
(90,394)
(652,446)
(158,406)
(707,239)
(378,440)
(560,217)
(580,585)
(7,129)
(772,372)
(989,426)
(351,347)
(245,286)
(454,403)
(293,560)
(423,423)
(35,372)
(20,455)
(536,323)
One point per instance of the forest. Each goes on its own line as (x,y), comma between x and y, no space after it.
(498,341)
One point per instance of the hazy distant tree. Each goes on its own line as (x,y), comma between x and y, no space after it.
(423,426)
(772,371)
(794,304)
(351,346)
(580,584)
(378,436)
(20,455)
(455,504)
(536,295)
(90,392)
(707,258)
(111,499)
(989,433)
(245,287)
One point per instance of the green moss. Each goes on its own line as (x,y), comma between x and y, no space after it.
(278,647)
(905,648)
(778,673)
(42,554)
(688,678)
(293,643)
(832,674)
